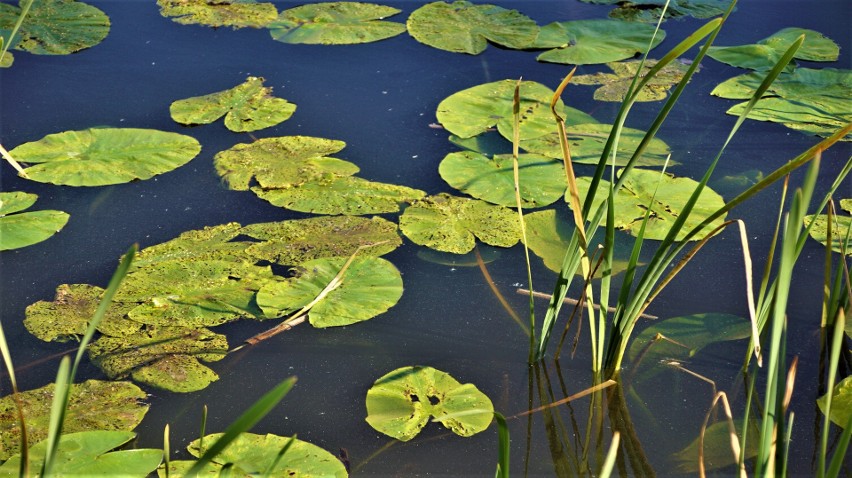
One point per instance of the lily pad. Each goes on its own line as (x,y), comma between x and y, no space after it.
(617,83)
(841,238)
(138,356)
(765,53)
(252,455)
(103,156)
(486,253)
(841,402)
(249,106)
(67,316)
(649,10)
(587,141)
(7,59)
(693,332)
(638,193)
(219,13)
(213,243)
(93,405)
(463,27)
(335,23)
(452,224)
(55,27)
(88,454)
(370,286)
(542,179)
(401,402)
(717,448)
(26,228)
(587,42)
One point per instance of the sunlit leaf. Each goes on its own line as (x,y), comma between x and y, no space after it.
(401,402)
(93,405)
(67,316)
(841,402)
(617,83)
(249,106)
(103,156)
(764,54)
(335,23)
(371,286)
(463,27)
(55,27)
(214,243)
(542,179)
(452,224)
(691,334)
(21,229)
(219,13)
(585,42)
(840,235)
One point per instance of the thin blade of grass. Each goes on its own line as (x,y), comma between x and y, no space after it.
(57,414)
(837,336)
(732,432)
(503,447)
(167,452)
(752,312)
(19,406)
(609,461)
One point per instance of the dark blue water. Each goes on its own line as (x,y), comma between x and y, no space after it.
(380,99)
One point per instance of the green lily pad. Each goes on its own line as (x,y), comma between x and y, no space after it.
(638,193)
(616,84)
(103,156)
(252,455)
(846,205)
(542,179)
(88,454)
(401,402)
(93,405)
(587,42)
(463,27)
(475,110)
(55,27)
(26,228)
(587,141)
(213,243)
(452,224)
(841,238)
(219,13)
(649,11)
(371,286)
(249,106)
(67,316)
(765,53)
(7,59)
(693,332)
(335,23)
(841,402)
(341,195)
(138,355)
(717,448)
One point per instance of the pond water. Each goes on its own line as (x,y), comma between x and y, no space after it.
(380,99)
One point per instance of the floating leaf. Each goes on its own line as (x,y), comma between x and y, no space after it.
(67,316)
(219,13)
(841,402)
(211,243)
(342,195)
(335,23)
(586,42)
(840,234)
(717,448)
(88,454)
(542,179)
(617,83)
(452,224)
(137,354)
(484,253)
(103,156)
(846,205)
(401,402)
(649,11)
(55,27)
(371,286)
(587,142)
(249,106)
(765,54)
(27,228)
(664,194)
(692,332)
(463,27)
(93,405)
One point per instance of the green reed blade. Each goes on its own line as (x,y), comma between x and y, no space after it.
(503,448)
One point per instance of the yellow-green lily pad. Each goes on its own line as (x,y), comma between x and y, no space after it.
(841,238)
(21,229)
(54,27)
(586,42)
(841,403)
(335,23)
(615,85)
(219,13)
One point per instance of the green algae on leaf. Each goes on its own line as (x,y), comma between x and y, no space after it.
(616,84)
(370,286)
(219,13)
(20,229)
(400,403)
(213,243)
(249,106)
(841,402)
(840,231)
(88,454)
(93,405)
(586,42)
(764,54)
(104,156)
(664,194)
(55,27)
(452,224)
(463,27)
(542,179)
(335,23)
